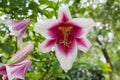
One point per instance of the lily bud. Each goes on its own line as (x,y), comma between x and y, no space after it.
(22,54)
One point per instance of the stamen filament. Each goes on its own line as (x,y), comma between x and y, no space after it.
(65,41)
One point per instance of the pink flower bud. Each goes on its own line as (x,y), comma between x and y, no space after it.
(22,54)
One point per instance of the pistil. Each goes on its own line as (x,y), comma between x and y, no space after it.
(66,42)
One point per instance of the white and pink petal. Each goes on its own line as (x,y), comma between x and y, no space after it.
(47,45)
(85,23)
(83,44)
(5,77)
(43,26)
(18,71)
(66,58)
(64,14)
(3,69)
(20,24)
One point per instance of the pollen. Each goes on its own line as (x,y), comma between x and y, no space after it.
(65,41)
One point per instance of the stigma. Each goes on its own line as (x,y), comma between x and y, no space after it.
(65,32)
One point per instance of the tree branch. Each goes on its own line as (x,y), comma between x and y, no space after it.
(105,53)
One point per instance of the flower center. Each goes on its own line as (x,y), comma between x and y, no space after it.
(66,31)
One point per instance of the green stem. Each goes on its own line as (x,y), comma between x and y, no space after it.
(16,45)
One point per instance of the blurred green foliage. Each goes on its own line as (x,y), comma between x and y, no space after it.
(88,66)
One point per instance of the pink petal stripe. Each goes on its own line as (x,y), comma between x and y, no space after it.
(76,30)
(43,26)
(47,45)
(66,59)
(22,54)
(3,70)
(64,14)
(64,49)
(18,70)
(5,77)
(20,24)
(64,17)
(83,44)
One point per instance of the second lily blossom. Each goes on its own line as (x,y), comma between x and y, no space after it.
(18,65)
(15,71)
(19,28)
(66,34)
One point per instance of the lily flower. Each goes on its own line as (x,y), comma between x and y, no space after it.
(66,35)
(22,54)
(2,69)
(19,27)
(5,77)
(15,71)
